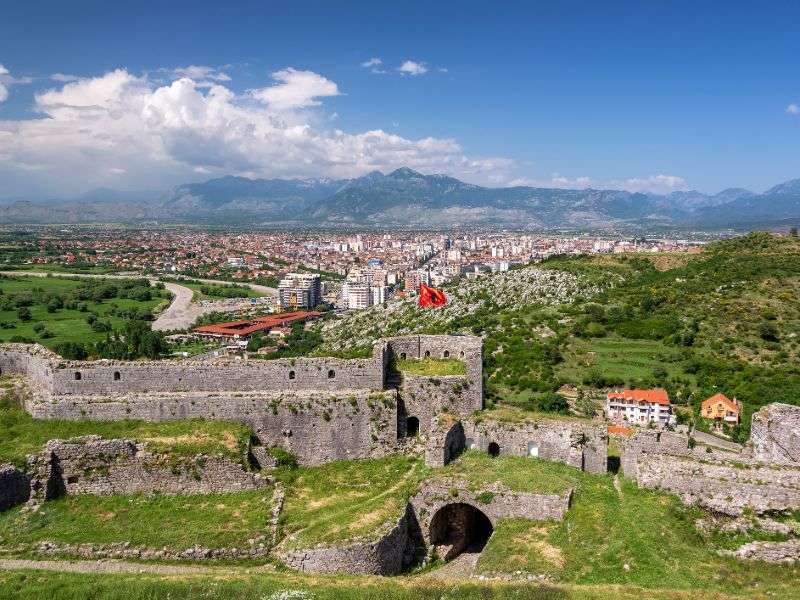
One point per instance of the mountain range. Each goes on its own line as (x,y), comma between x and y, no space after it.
(406,198)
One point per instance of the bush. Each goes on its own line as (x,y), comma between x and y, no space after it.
(283,458)
(24,313)
(71,350)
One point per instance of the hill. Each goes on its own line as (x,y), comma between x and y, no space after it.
(406,198)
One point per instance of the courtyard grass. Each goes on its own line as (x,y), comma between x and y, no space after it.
(518,473)
(153,521)
(345,500)
(21,434)
(630,537)
(431,366)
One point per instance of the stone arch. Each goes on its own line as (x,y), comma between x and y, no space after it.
(459,527)
(291,374)
(461,354)
(117,376)
(427,353)
(77,375)
(446,354)
(412,426)
(331,373)
(493,449)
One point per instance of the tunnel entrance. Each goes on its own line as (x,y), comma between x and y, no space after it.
(457,528)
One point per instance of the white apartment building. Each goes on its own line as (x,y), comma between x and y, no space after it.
(640,407)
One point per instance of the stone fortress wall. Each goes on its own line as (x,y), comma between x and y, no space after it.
(320,409)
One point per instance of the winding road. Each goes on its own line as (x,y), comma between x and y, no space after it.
(180,314)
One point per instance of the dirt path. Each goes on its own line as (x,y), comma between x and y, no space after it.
(121,566)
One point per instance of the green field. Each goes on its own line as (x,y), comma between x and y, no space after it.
(346,499)
(431,366)
(518,473)
(21,434)
(209,291)
(152,521)
(617,358)
(64,324)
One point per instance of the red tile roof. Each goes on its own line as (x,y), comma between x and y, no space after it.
(720,397)
(654,396)
(246,328)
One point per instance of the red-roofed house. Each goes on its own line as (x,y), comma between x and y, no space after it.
(640,407)
(721,408)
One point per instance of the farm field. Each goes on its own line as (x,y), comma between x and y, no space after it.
(26,314)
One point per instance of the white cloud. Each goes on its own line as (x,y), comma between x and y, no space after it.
(657,184)
(411,67)
(63,78)
(200,73)
(165,134)
(372,62)
(296,89)
(6,81)
(793,109)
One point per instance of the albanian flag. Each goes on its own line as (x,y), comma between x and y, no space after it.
(431,297)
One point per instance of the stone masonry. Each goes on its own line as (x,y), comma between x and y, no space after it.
(14,487)
(775,434)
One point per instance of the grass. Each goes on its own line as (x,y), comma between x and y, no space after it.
(226,583)
(650,532)
(21,434)
(518,473)
(67,325)
(153,521)
(617,358)
(345,500)
(432,366)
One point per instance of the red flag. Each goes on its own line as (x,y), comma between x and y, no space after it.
(430,297)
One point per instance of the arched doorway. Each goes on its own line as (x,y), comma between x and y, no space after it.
(493,449)
(457,528)
(412,426)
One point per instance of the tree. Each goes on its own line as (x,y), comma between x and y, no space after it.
(24,313)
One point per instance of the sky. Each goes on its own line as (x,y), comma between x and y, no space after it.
(644,96)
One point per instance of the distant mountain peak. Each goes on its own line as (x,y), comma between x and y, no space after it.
(782,189)
(405,173)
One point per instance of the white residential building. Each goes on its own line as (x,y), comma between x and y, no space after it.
(640,407)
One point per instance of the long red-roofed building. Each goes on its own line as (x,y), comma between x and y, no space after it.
(640,407)
(242,330)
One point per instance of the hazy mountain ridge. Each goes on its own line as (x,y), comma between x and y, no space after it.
(407,198)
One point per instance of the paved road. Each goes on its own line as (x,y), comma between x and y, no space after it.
(181,313)
(712,440)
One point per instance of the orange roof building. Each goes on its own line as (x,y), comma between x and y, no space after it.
(640,407)
(721,408)
(242,330)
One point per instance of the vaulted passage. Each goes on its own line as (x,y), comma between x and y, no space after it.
(457,528)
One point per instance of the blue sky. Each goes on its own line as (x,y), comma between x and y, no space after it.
(637,95)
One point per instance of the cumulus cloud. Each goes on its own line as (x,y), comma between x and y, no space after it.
(413,68)
(375,65)
(130,131)
(659,184)
(793,109)
(296,89)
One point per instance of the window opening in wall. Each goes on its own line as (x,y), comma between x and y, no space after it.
(533,450)
(427,353)
(117,376)
(402,355)
(493,449)
(77,376)
(412,426)
(291,374)
(331,374)
(446,354)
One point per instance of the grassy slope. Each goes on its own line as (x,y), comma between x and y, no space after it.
(21,434)
(346,499)
(650,532)
(66,325)
(178,522)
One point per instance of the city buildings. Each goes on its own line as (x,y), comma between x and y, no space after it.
(300,290)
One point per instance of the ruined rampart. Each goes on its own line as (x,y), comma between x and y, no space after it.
(579,443)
